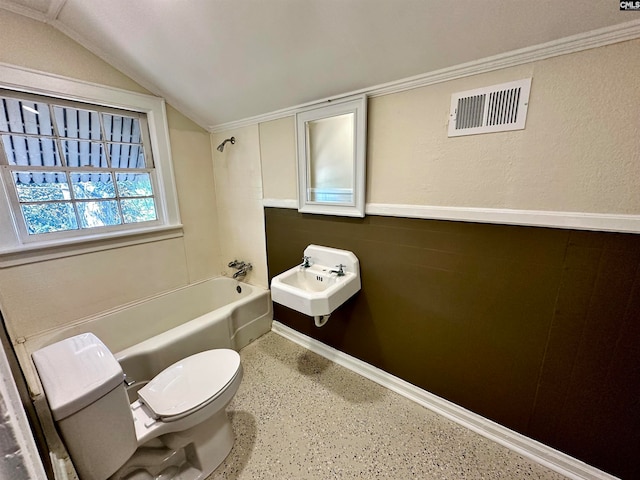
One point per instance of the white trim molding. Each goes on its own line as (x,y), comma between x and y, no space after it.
(563,46)
(534,218)
(605,222)
(24,254)
(18,447)
(280,203)
(352,112)
(525,446)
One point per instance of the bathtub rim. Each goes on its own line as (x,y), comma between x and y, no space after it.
(24,346)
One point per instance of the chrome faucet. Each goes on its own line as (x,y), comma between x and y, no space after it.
(306,262)
(340,270)
(243,268)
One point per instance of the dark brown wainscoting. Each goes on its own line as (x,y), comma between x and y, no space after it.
(537,329)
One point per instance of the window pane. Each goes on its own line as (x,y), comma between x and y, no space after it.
(41,186)
(31,151)
(49,217)
(125,155)
(134,184)
(84,154)
(118,128)
(76,123)
(138,210)
(75,166)
(21,116)
(93,185)
(98,214)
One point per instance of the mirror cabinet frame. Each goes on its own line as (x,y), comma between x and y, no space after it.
(333,108)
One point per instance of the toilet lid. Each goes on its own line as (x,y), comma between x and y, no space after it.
(190,382)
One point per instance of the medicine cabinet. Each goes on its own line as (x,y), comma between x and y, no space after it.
(331,148)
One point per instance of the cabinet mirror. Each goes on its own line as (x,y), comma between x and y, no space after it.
(331,141)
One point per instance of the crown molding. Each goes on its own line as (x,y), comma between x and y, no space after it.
(576,43)
(51,14)
(24,79)
(24,11)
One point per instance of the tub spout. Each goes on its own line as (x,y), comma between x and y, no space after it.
(242,271)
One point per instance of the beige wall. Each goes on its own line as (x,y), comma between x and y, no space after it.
(278,154)
(32,44)
(578,153)
(238,182)
(191,152)
(43,295)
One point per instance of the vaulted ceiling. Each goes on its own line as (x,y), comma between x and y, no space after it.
(220,61)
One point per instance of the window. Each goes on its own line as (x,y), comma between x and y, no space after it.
(81,166)
(70,167)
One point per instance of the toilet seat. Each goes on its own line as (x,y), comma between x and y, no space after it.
(190,384)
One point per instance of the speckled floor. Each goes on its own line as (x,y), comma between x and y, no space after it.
(300,416)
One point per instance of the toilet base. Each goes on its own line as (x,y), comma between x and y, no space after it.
(186,455)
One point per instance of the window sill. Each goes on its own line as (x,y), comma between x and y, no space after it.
(31,253)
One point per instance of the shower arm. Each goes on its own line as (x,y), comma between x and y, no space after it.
(220,147)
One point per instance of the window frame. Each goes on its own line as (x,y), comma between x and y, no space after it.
(8,169)
(23,82)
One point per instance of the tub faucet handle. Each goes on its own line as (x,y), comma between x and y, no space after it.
(237,264)
(243,268)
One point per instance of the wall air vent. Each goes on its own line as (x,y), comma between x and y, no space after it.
(491,109)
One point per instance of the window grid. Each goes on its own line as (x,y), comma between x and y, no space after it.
(58,160)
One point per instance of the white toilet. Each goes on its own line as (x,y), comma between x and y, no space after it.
(178,427)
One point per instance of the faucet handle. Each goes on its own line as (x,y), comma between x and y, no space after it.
(340,270)
(233,263)
(306,261)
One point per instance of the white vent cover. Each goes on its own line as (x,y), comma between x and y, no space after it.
(490,109)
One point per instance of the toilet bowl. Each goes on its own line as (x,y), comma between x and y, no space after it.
(177,427)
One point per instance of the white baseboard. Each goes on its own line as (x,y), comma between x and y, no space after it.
(525,446)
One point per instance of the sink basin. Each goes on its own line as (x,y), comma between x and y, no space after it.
(312,279)
(317,290)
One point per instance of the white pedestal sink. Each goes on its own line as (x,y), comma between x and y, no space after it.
(331,278)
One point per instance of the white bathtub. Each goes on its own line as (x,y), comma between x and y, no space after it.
(237,314)
(151,334)
(148,335)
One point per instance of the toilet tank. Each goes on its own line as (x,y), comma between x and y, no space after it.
(83,383)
